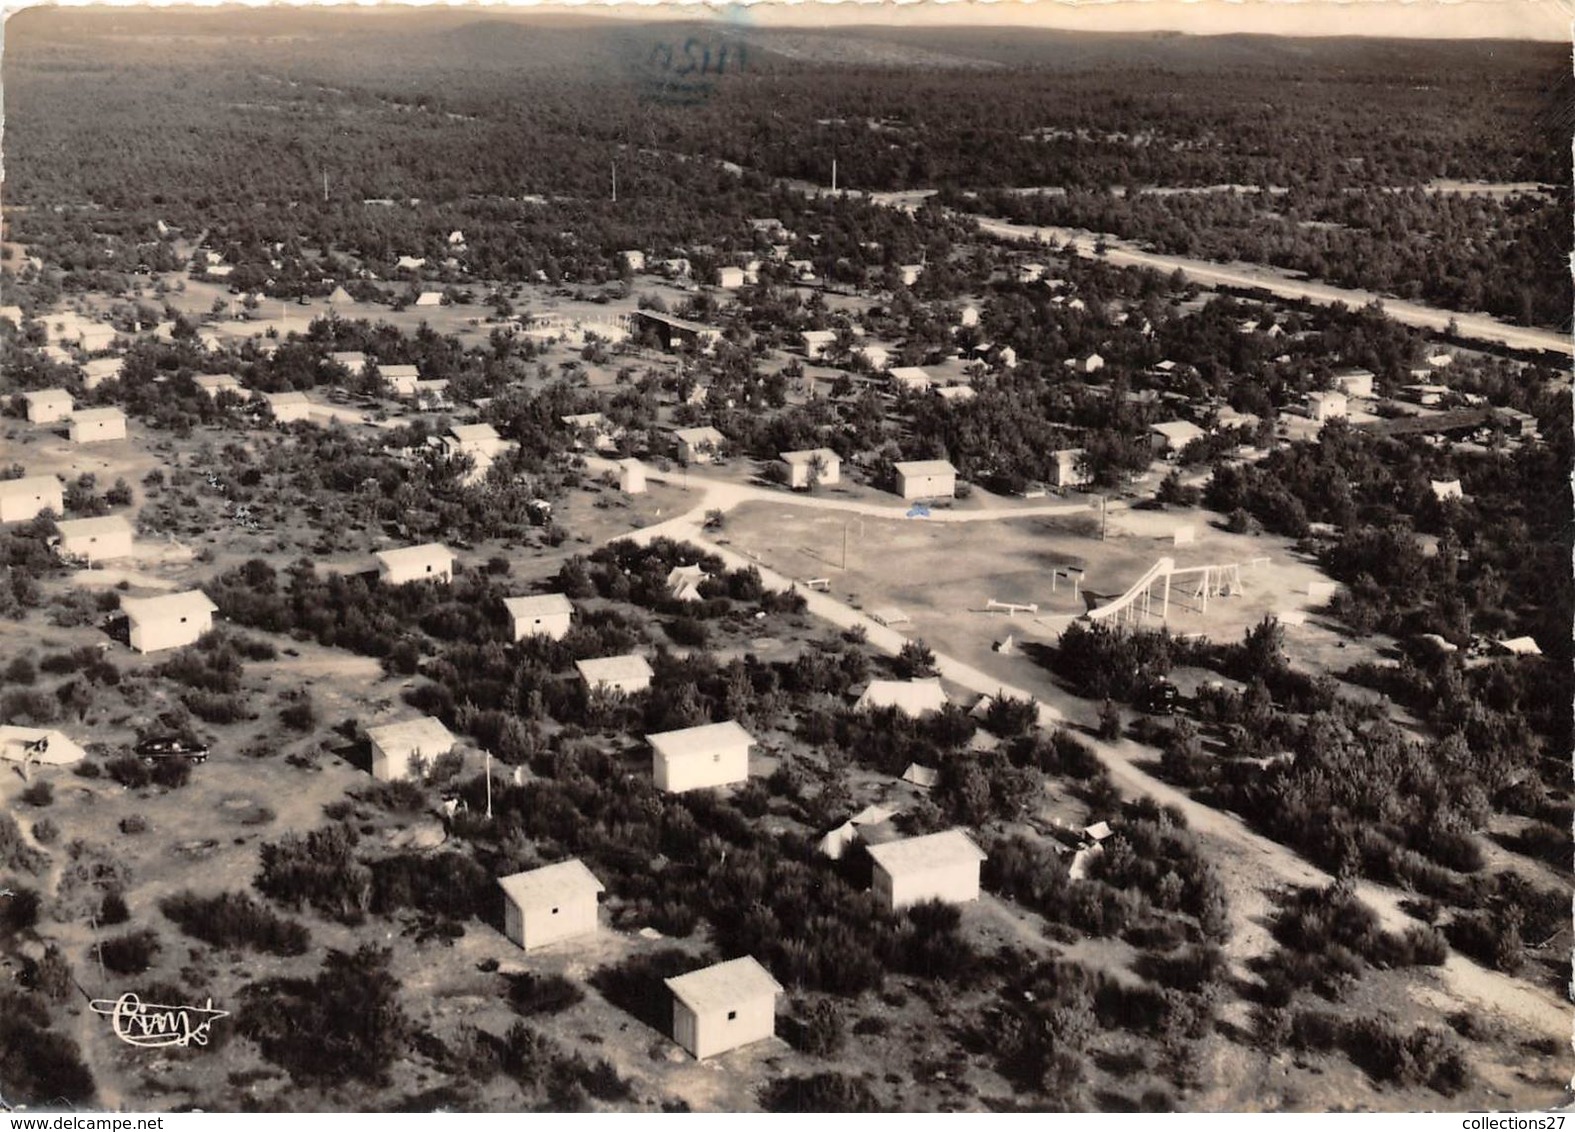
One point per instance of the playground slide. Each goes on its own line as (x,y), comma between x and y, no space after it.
(1138,588)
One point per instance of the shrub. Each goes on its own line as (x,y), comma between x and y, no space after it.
(45,832)
(43,1067)
(133,824)
(113,910)
(823,1092)
(235,919)
(15,852)
(20,671)
(131,953)
(39,794)
(300,715)
(530,994)
(822,1032)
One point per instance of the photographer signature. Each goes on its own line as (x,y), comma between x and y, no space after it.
(151,1025)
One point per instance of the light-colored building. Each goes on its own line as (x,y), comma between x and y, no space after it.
(401,379)
(817,342)
(730,277)
(939,866)
(631,477)
(1446,489)
(699,445)
(96,540)
(96,371)
(427,562)
(713,754)
(683,582)
(540,615)
(395,746)
(1354,382)
(803,467)
(1326,406)
(911,697)
(633,260)
(1067,468)
(477,439)
(625,674)
(926,479)
(429,299)
(911,378)
(90,426)
(29,497)
(352,360)
(215,383)
(168,621)
(723,1007)
(1173,436)
(46,406)
(909,273)
(289,407)
(550,904)
(877,357)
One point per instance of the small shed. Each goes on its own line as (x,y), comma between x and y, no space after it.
(940,866)
(912,378)
(289,407)
(215,383)
(730,277)
(95,540)
(95,425)
(1446,489)
(428,562)
(96,371)
(699,445)
(817,342)
(46,406)
(429,299)
(540,615)
(1354,382)
(926,479)
(693,758)
(396,745)
(353,361)
(803,470)
(30,496)
(631,477)
(168,621)
(1326,406)
(1173,436)
(1066,470)
(550,904)
(723,1007)
(626,674)
(401,379)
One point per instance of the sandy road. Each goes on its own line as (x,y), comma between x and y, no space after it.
(1245,859)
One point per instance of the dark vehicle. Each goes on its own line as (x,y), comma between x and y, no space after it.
(1160,698)
(151,750)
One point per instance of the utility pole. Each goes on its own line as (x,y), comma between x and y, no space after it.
(325,186)
(615,182)
(1104,507)
(489,785)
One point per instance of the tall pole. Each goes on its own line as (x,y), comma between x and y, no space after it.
(1104,504)
(844,544)
(489,785)
(615,182)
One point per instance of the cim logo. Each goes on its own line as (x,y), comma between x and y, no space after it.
(152,1025)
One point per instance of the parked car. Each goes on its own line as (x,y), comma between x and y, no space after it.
(1160,698)
(171,747)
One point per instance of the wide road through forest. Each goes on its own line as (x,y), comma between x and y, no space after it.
(1123,254)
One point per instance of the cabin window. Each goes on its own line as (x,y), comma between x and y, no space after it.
(731,1015)
(716,758)
(183,621)
(554,911)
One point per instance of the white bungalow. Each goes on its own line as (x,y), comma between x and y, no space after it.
(401,378)
(427,562)
(911,697)
(817,342)
(940,866)
(1446,489)
(90,426)
(395,746)
(1326,406)
(1173,436)
(713,754)
(633,260)
(215,383)
(289,406)
(96,371)
(29,497)
(429,299)
(911,378)
(631,477)
(46,406)
(550,904)
(626,674)
(1354,382)
(926,479)
(352,360)
(168,621)
(95,540)
(803,467)
(699,445)
(730,277)
(1066,471)
(540,615)
(723,1007)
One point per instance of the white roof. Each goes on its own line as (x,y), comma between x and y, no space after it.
(921,775)
(538,605)
(1178,432)
(188,604)
(1326,395)
(693,741)
(814,336)
(912,697)
(723,985)
(614,669)
(101,525)
(289,397)
(933,851)
(93,416)
(31,485)
(45,396)
(58,749)
(551,885)
(1522,646)
(421,734)
(393,371)
(415,555)
(807,455)
(911,375)
(872,815)
(350,359)
(707,434)
(473,433)
(926,468)
(222,381)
